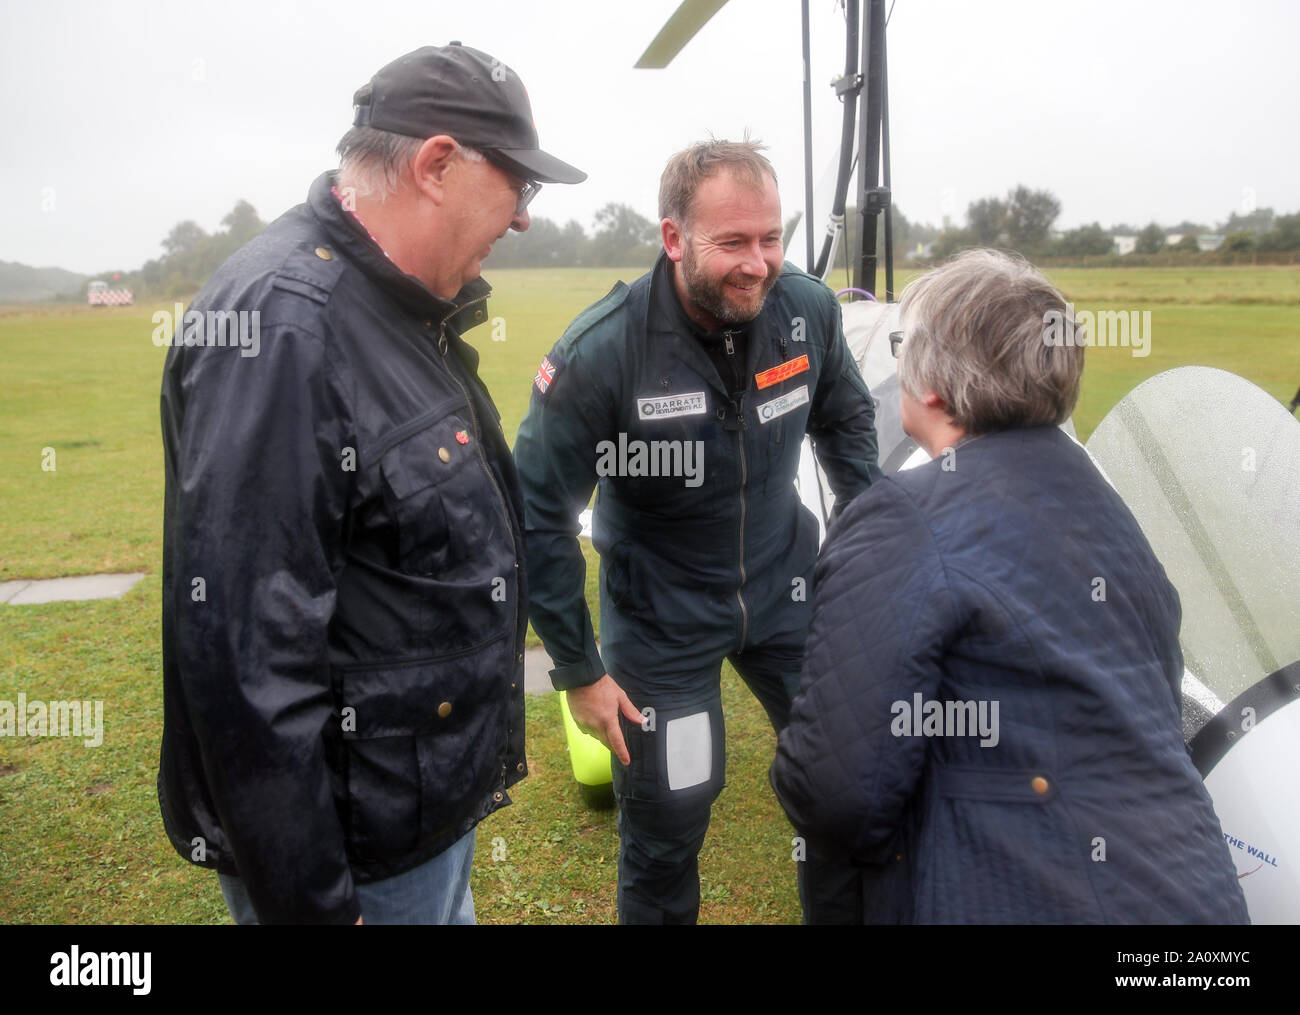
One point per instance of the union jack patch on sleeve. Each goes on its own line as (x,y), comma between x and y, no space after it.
(545,375)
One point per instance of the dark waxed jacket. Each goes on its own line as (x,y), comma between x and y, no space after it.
(343,603)
(681,562)
(1008,572)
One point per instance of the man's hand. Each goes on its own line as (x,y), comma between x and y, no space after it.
(595,709)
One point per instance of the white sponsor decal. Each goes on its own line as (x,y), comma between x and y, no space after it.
(692,404)
(690,751)
(768,411)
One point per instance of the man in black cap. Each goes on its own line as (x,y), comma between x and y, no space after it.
(344,604)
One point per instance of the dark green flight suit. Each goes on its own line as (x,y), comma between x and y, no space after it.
(706,551)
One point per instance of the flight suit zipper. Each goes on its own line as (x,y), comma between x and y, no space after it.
(737,405)
(744,478)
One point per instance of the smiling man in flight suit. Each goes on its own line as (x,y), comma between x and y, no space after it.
(685,397)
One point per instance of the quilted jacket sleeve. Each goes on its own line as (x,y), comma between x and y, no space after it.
(882,618)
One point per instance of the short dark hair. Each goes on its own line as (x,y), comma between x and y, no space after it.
(689,168)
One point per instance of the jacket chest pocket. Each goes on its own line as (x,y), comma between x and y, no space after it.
(440,495)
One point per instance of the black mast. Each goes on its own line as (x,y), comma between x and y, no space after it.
(807,144)
(872,198)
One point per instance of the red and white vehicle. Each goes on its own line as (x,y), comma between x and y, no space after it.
(98,294)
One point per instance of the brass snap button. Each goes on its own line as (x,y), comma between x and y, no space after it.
(444,454)
(1039,784)
(444,710)
(324,254)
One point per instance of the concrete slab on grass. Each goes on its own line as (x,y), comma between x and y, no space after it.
(10,589)
(537,671)
(58,590)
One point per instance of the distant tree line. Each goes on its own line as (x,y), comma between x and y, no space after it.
(190,257)
(1021,220)
(622,238)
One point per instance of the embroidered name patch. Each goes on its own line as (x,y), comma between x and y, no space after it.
(768,411)
(692,404)
(782,371)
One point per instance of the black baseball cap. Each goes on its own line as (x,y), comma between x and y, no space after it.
(468,95)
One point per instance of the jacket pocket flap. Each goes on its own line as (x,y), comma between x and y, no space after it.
(1007,785)
(425,696)
(428,450)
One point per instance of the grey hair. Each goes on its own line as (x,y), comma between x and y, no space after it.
(976,334)
(372,162)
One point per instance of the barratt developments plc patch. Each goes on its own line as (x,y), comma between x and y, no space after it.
(692,404)
(781,372)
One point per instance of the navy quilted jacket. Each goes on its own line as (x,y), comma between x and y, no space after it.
(989,716)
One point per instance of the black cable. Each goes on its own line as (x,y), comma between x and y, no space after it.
(807,143)
(846,131)
(884,154)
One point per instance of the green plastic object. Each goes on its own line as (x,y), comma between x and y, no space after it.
(590,760)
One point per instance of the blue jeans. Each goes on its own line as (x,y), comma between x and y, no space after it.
(436,892)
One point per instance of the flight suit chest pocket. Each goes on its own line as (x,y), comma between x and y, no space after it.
(782,421)
(439,494)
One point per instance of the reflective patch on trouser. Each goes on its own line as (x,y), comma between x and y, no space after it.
(661,829)
(690,750)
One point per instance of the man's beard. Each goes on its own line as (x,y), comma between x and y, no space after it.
(712,296)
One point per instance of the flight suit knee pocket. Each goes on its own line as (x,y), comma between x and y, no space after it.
(676,754)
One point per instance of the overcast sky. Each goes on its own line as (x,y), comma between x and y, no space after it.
(124,118)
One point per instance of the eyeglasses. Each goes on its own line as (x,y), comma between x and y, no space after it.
(895,340)
(525,192)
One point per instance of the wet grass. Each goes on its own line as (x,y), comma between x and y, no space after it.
(81,839)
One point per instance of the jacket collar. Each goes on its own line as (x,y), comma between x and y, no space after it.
(347,233)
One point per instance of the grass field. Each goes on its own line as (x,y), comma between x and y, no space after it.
(81,840)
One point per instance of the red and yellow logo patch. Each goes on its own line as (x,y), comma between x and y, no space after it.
(782,372)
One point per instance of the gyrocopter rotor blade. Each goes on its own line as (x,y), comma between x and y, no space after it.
(680,29)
